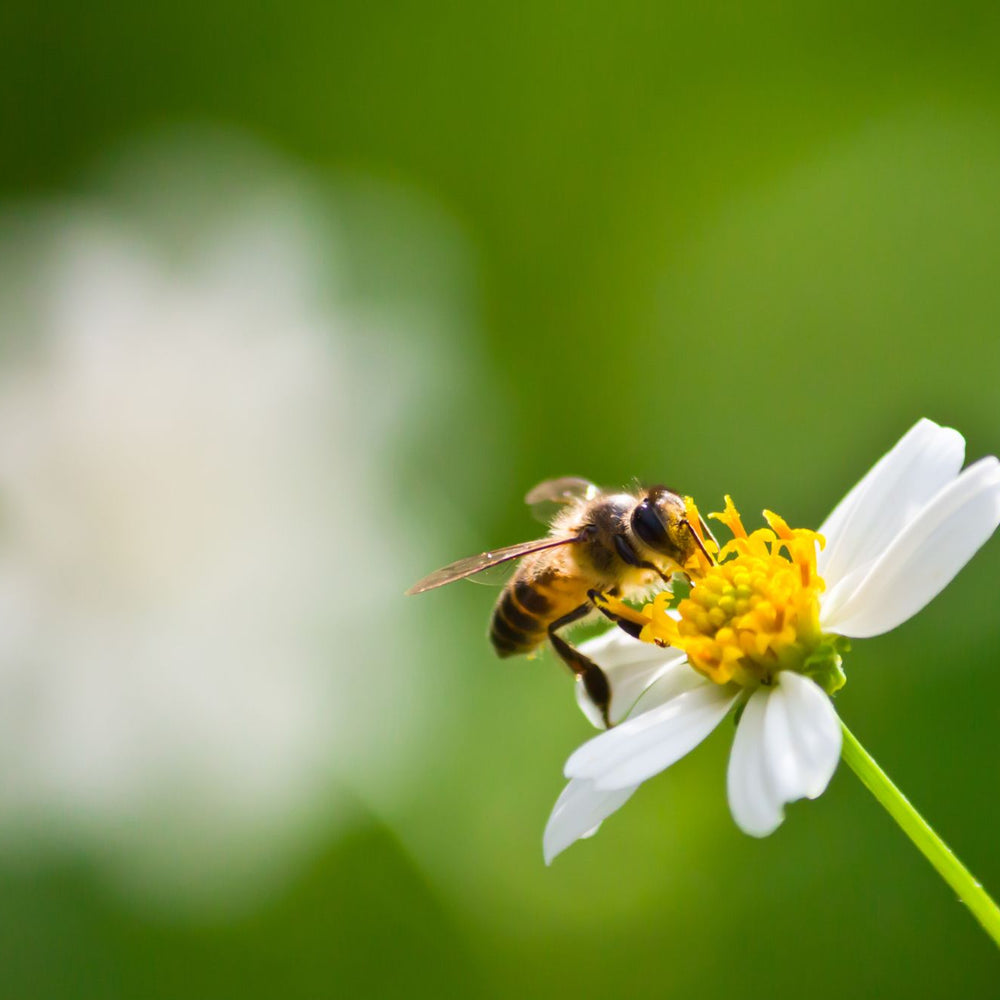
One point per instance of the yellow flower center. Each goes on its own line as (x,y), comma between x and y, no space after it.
(754,612)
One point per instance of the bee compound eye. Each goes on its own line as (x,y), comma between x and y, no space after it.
(648,525)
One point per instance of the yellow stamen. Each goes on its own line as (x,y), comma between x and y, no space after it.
(730,517)
(753,613)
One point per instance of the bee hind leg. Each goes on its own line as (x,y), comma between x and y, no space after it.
(588,673)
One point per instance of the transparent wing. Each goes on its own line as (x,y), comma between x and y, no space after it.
(547,498)
(494,576)
(476,564)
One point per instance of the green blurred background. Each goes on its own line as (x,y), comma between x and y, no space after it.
(736,248)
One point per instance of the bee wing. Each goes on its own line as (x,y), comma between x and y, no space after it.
(494,576)
(546,498)
(476,564)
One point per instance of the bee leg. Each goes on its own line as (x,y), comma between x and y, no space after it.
(627,625)
(628,556)
(586,671)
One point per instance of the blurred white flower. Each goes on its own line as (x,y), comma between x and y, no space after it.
(196,518)
(762,628)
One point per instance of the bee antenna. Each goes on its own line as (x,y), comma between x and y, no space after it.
(701,545)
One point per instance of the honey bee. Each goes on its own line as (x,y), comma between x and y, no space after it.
(599,544)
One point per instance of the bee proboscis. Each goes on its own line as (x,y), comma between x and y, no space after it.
(599,544)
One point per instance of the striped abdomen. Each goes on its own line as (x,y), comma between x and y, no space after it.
(529,604)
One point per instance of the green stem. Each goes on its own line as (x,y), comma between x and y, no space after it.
(937,852)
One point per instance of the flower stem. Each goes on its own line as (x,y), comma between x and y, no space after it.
(937,852)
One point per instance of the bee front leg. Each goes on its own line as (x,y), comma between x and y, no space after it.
(594,679)
(620,615)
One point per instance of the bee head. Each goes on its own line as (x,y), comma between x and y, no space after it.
(658,521)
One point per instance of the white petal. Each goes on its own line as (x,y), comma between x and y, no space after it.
(578,812)
(614,649)
(630,666)
(802,738)
(835,597)
(924,460)
(673,679)
(924,558)
(751,799)
(649,742)
(787,747)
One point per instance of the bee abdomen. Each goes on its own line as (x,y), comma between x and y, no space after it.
(519,619)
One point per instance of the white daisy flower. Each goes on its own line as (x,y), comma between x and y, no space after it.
(763,630)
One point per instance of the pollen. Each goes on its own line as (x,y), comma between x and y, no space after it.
(751,614)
